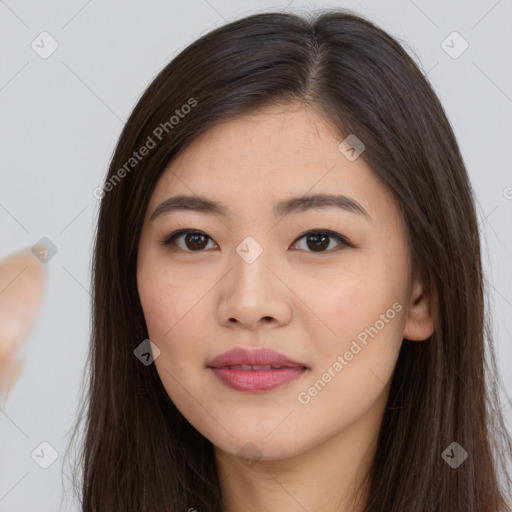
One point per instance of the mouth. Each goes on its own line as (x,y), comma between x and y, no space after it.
(256,359)
(257,367)
(248,378)
(255,370)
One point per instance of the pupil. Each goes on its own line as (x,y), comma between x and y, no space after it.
(192,236)
(322,244)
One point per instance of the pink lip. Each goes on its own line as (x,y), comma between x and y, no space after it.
(255,379)
(258,356)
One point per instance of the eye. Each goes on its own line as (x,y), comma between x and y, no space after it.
(316,240)
(195,239)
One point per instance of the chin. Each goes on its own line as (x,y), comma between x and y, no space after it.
(254,447)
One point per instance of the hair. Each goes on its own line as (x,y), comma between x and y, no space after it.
(139,452)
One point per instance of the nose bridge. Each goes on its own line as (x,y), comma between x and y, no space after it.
(250,263)
(251,291)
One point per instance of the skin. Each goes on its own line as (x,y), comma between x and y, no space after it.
(309,305)
(22,278)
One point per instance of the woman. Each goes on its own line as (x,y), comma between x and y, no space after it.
(288,298)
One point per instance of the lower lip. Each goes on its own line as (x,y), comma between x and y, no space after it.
(257,380)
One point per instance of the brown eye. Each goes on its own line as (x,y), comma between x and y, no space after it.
(193,240)
(319,241)
(316,241)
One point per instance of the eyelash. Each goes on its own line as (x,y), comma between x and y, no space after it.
(332,234)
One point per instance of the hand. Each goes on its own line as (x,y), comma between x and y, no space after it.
(22,278)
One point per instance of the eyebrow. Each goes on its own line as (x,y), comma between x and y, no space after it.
(292,205)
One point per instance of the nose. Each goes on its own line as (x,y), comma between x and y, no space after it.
(253,295)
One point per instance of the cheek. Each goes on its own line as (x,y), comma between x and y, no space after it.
(175,319)
(159,310)
(171,315)
(165,297)
(366,312)
(357,302)
(358,363)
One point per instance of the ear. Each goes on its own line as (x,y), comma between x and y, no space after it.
(419,324)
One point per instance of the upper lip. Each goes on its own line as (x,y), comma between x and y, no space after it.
(258,357)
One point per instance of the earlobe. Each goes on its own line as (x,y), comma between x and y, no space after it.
(419,320)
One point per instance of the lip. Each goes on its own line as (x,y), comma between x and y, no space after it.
(253,357)
(256,379)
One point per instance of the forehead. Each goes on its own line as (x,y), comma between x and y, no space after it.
(253,162)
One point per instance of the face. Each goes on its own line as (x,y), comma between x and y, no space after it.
(323,285)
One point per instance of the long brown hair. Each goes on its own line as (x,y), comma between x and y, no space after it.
(139,452)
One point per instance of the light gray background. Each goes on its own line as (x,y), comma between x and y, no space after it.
(60,119)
